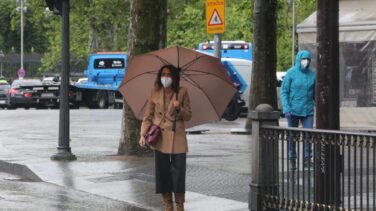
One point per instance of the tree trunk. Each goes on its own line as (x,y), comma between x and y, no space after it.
(327,102)
(147,32)
(263,83)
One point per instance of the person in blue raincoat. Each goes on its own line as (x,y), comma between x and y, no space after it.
(298,102)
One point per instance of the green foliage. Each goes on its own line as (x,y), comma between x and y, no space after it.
(187,28)
(239,21)
(102,25)
(95,25)
(6,34)
(303,9)
(10,30)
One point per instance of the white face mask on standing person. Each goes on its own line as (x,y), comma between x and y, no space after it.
(305,63)
(166,81)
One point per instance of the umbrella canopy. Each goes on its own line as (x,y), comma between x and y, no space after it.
(209,87)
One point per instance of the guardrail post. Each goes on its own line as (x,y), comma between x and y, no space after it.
(264,158)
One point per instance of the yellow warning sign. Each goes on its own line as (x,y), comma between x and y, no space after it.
(215,16)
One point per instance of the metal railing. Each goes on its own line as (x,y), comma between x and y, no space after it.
(350,169)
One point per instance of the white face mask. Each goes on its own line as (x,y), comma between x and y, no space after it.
(304,63)
(166,81)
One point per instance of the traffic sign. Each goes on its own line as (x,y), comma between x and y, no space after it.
(21,73)
(215,16)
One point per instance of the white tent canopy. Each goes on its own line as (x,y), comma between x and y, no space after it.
(357,22)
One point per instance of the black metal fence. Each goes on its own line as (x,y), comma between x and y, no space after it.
(351,184)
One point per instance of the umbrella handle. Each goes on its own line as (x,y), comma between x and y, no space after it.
(174,124)
(176,113)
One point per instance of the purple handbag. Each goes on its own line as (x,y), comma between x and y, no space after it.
(152,136)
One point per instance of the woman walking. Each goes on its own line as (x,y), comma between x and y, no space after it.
(166,103)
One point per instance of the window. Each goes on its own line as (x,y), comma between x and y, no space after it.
(109,63)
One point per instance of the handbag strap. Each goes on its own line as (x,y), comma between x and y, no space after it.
(164,113)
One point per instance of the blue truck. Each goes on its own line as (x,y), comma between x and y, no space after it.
(104,74)
(229,49)
(98,89)
(106,71)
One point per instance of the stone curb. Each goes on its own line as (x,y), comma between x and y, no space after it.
(20,170)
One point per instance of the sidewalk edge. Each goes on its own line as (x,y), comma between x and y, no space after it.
(20,170)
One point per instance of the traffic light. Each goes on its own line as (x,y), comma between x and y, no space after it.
(55,6)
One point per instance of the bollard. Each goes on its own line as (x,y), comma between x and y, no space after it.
(264,166)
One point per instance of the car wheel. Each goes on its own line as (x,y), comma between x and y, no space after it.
(11,107)
(75,105)
(41,107)
(102,100)
(91,102)
(232,111)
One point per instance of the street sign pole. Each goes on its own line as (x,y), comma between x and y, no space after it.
(217,45)
(64,150)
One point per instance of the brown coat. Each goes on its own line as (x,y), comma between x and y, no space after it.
(169,142)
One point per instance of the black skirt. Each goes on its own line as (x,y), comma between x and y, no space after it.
(170,172)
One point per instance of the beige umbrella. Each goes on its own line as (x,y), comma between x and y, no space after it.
(209,87)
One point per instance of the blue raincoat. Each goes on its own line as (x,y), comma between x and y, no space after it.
(298,88)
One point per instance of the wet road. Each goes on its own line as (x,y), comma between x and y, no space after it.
(217,165)
(16,194)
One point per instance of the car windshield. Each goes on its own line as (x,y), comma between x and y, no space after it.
(33,82)
(4,87)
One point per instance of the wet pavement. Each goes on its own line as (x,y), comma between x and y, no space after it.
(218,168)
(18,194)
(217,172)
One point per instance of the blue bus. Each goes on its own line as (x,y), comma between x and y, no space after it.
(230,49)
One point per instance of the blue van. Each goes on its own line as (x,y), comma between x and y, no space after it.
(230,49)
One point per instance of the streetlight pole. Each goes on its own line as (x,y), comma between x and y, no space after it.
(22,33)
(64,150)
(22,10)
(1,68)
(292,2)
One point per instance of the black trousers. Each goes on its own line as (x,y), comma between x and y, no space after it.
(170,172)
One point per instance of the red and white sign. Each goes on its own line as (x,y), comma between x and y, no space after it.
(215,16)
(215,19)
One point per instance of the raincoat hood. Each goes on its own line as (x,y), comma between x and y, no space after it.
(299,56)
(298,88)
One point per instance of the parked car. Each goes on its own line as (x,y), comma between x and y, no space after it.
(18,97)
(4,94)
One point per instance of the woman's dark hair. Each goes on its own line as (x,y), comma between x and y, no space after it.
(175,75)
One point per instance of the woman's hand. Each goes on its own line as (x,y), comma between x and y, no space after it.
(141,142)
(176,104)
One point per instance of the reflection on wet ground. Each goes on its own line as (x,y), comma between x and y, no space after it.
(16,194)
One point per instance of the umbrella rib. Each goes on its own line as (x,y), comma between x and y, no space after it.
(142,108)
(186,66)
(206,73)
(161,59)
(177,49)
(207,96)
(149,72)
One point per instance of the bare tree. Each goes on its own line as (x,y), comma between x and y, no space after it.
(263,84)
(327,170)
(147,32)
